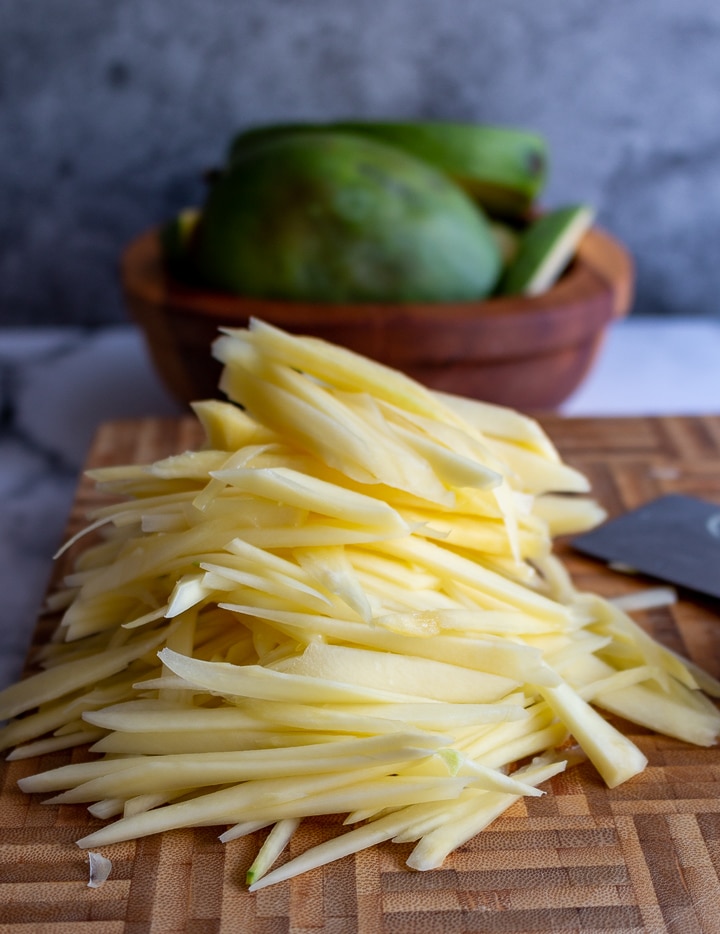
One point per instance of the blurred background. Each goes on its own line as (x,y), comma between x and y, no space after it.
(111,112)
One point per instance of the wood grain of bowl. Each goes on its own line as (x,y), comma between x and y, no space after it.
(527,352)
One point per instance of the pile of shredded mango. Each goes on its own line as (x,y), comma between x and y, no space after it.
(346,602)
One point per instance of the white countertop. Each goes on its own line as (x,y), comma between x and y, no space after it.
(57,386)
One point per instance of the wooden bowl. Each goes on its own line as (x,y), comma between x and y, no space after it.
(528,353)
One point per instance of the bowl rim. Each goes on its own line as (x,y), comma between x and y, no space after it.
(602,267)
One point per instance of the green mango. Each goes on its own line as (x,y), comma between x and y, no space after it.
(545,249)
(504,168)
(334,217)
(175,238)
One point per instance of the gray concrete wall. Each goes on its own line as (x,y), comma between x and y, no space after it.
(111,109)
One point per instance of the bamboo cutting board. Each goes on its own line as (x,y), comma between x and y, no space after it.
(642,857)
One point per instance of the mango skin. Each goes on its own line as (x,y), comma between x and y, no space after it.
(331,217)
(503,168)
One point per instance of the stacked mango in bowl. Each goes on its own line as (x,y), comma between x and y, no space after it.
(404,241)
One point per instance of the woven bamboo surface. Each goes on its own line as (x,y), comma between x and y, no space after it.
(642,857)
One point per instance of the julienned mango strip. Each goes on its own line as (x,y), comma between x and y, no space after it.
(64,679)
